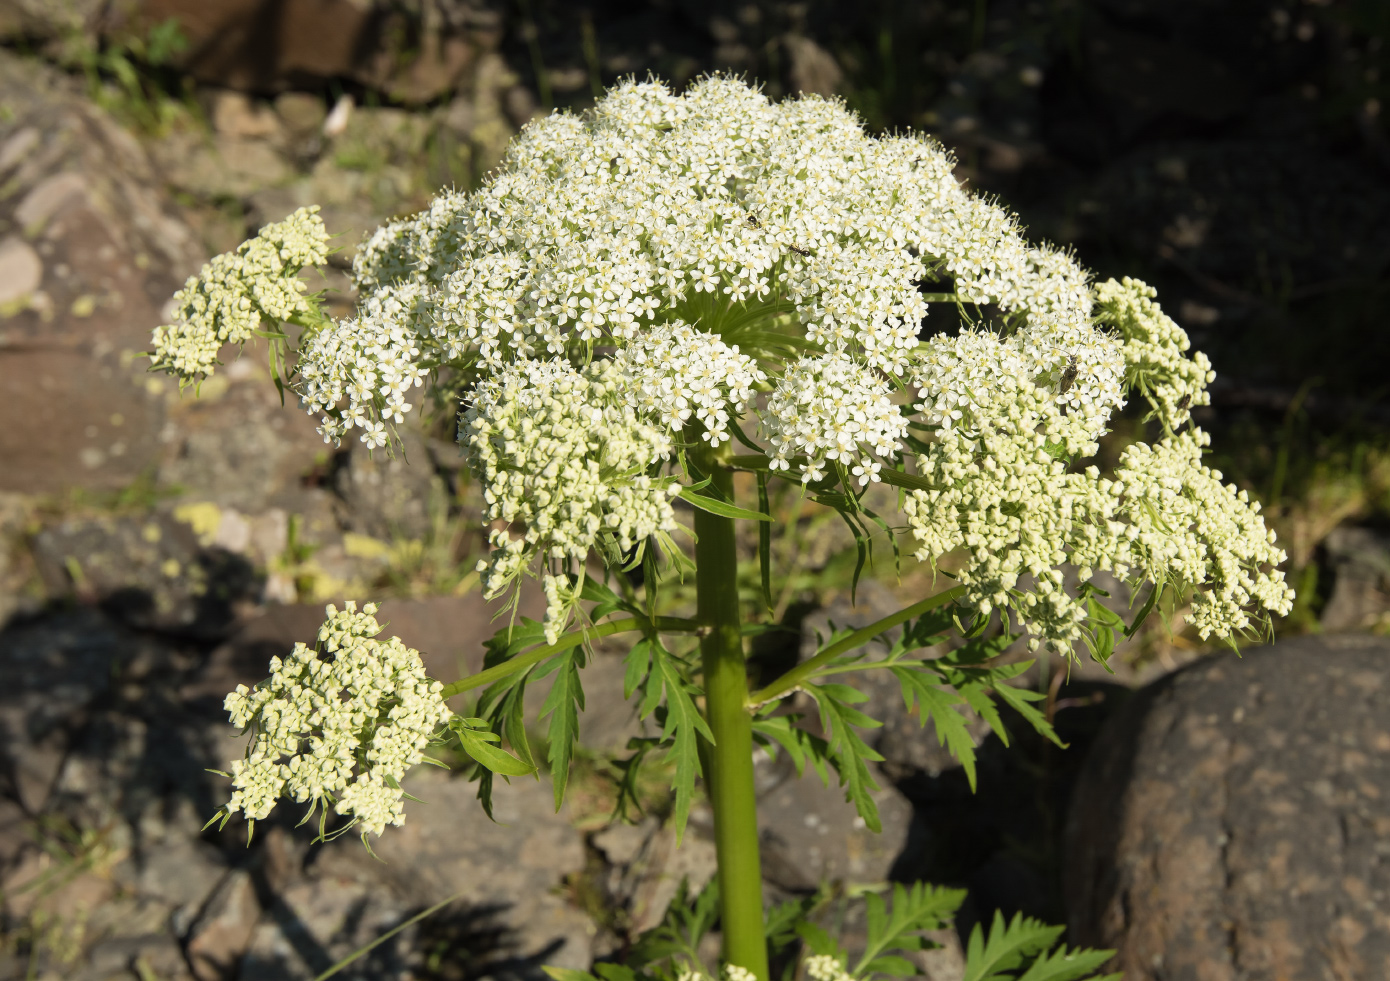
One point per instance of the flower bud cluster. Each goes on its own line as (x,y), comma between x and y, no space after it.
(234,292)
(1006,496)
(832,410)
(564,453)
(678,371)
(1185,525)
(824,967)
(339,725)
(1155,352)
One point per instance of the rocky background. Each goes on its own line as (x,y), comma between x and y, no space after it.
(157,549)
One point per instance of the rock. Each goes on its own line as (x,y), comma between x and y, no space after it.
(238,447)
(47,19)
(223,930)
(644,866)
(809,835)
(70,660)
(92,248)
(508,875)
(243,44)
(180,872)
(1360,561)
(391,496)
(813,70)
(21,271)
(1229,822)
(315,923)
(150,570)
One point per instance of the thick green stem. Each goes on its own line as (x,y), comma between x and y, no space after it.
(729,767)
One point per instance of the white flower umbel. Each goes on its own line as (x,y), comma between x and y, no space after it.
(565,454)
(338,724)
(628,279)
(369,363)
(238,290)
(679,373)
(833,410)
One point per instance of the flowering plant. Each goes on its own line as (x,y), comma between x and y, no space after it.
(667,290)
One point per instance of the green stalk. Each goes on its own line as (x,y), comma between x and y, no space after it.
(808,669)
(572,639)
(729,770)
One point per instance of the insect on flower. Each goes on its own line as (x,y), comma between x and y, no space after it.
(1068,376)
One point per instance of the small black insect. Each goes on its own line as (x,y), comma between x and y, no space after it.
(1068,376)
(1184,402)
(753,221)
(800,251)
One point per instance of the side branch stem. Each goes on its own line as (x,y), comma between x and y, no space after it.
(572,639)
(807,670)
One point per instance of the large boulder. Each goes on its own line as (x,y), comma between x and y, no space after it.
(90,250)
(1230,821)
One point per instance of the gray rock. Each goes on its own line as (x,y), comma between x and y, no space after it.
(180,871)
(1360,561)
(70,660)
(315,923)
(391,495)
(21,270)
(509,874)
(93,248)
(809,834)
(223,930)
(150,570)
(47,19)
(645,866)
(1229,822)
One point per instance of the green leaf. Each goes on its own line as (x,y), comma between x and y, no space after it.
(941,706)
(849,753)
(1018,699)
(567,973)
(682,725)
(635,668)
(604,599)
(801,746)
(614,972)
(563,705)
(478,744)
(511,640)
(1144,611)
(628,770)
(914,909)
(720,508)
(1025,945)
